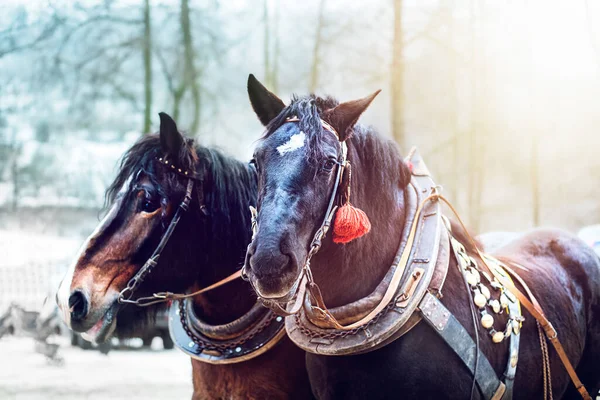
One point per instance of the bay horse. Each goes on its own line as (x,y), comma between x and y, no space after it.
(208,244)
(298,158)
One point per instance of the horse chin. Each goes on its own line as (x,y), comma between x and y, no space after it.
(105,327)
(282,296)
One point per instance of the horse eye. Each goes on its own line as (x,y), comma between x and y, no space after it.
(149,206)
(329,164)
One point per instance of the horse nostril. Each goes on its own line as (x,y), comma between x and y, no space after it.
(78,305)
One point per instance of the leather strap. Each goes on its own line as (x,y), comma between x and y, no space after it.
(456,336)
(534,309)
(513,355)
(393,286)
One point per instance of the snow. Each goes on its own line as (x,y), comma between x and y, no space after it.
(32,266)
(87,374)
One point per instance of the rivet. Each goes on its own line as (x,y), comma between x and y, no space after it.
(238,349)
(278,319)
(191,344)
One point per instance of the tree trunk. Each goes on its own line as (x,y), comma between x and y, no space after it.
(473,150)
(267,46)
(147,53)
(190,75)
(397,74)
(274,78)
(15,181)
(453,72)
(314,71)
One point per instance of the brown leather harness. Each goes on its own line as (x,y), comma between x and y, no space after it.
(245,338)
(411,285)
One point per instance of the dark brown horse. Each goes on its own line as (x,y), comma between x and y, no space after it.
(208,244)
(296,163)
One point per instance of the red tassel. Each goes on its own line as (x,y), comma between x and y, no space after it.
(350,223)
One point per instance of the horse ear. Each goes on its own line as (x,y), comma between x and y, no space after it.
(170,138)
(265,104)
(343,116)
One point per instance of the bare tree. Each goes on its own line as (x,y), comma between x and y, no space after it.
(473,150)
(274,72)
(147,56)
(16,39)
(316,61)
(397,76)
(267,47)
(189,74)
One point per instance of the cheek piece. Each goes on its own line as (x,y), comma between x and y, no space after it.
(350,222)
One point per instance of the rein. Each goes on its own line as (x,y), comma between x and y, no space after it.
(126,294)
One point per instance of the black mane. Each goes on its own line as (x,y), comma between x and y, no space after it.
(228,187)
(308,109)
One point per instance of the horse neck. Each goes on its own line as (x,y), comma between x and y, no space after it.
(346,273)
(226,235)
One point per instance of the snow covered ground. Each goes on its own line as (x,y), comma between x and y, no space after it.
(87,374)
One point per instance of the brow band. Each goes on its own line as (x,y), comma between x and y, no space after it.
(325,125)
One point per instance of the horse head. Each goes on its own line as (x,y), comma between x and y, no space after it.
(149,188)
(298,162)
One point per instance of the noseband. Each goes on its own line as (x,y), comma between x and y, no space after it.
(126,294)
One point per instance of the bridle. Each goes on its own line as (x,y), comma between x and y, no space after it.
(306,277)
(126,294)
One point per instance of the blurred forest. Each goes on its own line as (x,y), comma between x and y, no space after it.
(501,97)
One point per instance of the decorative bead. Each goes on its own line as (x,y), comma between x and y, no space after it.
(160,159)
(495,284)
(473,277)
(479,299)
(508,330)
(487,321)
(186,172)
(179,169)
(497,337)
(495,304)
(503,300)
(485,291)
(166,162)
(516,326)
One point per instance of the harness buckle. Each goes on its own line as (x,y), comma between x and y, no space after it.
(550,331)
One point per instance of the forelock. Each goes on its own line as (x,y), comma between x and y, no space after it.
(308,109)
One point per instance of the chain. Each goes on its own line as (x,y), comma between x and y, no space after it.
(207,345)
(546,364)
(341,333)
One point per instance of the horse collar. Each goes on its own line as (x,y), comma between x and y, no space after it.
(243,339)
(420,264)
